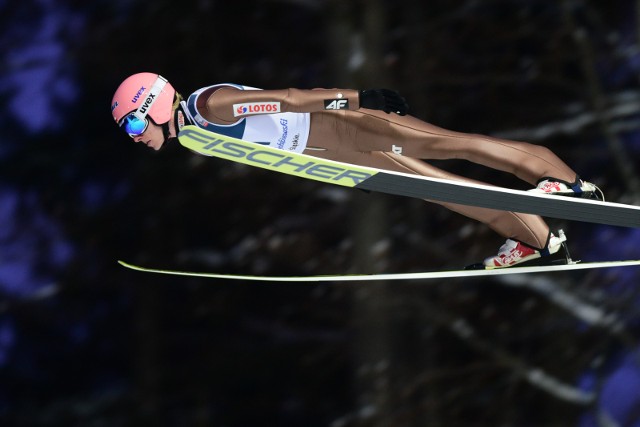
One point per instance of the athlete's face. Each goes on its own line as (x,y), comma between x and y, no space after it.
(152,137)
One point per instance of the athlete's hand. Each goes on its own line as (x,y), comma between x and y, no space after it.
(386,100)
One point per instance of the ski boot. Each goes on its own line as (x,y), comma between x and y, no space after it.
(514,252)
(578,188)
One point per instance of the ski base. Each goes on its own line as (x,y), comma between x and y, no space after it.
(398,276)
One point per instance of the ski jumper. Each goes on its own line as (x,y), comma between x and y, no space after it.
(330,124)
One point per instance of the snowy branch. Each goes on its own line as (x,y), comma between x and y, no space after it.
(621,109)
(617,150)
(535,376)
(580,309)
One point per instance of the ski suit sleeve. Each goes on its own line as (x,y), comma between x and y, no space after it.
(219,107)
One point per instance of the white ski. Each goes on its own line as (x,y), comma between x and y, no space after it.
(398,276)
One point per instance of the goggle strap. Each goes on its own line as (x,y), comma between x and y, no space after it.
(155,90)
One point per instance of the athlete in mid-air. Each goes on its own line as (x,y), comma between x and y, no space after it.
(367,128)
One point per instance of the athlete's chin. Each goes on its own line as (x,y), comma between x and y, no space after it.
(156,147)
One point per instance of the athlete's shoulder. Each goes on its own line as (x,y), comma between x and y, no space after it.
(214,87)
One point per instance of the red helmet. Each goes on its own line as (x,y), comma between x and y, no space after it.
(144,94)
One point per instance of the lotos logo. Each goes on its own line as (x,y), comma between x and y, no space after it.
(114,106)
(140,92)
(256,108)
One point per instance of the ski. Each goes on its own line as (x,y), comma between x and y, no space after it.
(367,178)
(399,276)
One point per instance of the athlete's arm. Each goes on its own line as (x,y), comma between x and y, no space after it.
(227,105)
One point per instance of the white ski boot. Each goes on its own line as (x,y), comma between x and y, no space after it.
(579,188)
(514,252)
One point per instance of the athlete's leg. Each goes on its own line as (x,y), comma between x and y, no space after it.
(529,229)
(369,130)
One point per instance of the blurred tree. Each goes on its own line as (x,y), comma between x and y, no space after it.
(356,45)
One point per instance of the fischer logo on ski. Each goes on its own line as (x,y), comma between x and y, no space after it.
(271,158)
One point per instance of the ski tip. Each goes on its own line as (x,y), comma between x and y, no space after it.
(127,265)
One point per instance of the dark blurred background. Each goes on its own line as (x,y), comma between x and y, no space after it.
(84,342)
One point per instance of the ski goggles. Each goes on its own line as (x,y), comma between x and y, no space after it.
(136,122)
(134,125)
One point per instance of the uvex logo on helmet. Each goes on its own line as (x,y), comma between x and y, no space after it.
(147,103)
(137,96)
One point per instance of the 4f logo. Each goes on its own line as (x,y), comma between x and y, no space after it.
(336,104)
